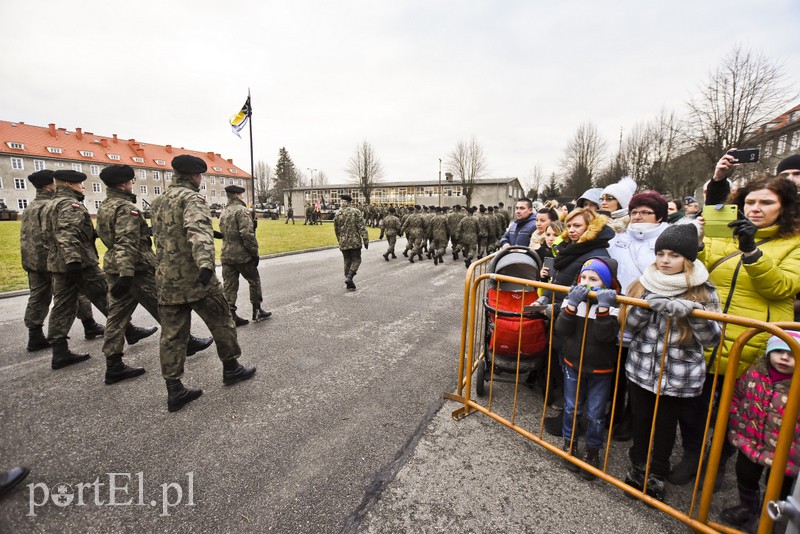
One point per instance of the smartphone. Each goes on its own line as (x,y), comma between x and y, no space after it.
(548,263)
(717,218)
(746,155)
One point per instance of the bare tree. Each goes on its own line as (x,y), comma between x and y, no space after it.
(365,168)
(536,181)
(467,162)
(321,178)
(582,159)
(746,90)
(262,178)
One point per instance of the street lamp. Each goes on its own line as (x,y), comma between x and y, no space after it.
(311,172)
(440,182)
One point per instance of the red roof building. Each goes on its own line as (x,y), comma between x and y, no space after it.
(25,149)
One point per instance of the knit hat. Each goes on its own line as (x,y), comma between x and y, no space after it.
(606,269)
(776,343)
(592,195)
(680,238)
(622,191)
(792,162)
(653,200)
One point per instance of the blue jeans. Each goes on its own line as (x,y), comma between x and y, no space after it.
(595,391)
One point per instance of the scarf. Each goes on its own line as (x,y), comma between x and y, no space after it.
(671,285)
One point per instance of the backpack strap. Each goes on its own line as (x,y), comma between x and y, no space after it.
(733,255)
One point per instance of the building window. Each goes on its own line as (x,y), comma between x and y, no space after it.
(16,164)
(218,169)
(22,203)
(168,176)
(241,182)
(203,186)
(115,157)
(233,171)
(782,145)
(138,159)
(143,189)
(87,154)
(142,174)
(94,170)
(54,150)
(213,192)
(77,167)
(156,190)
(38,165)
(12,144)
(160,162)
(20,184)
(156,175)
(795,140)
(212,179)
(97,204)
(96,188)
(768,148)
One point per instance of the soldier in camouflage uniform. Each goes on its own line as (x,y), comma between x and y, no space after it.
(468,235)
(414,228)
(186,281)
(130,267)
(34,262)
(483,230)
(407,212)
(240,254)
(73,262)
(440,235)
(390,226)
(453,218)
(351,232)
(494,230)
(505,215)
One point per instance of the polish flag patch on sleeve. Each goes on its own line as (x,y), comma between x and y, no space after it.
(74,205)
(134,213)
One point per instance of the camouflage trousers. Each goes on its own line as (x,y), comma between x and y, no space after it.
(143,291)
(416,244)
(392,241)
(352,261)
(469,248)
(176,323)
(454,245)
(439,246)
(483,241)
(230,282)
(41,286)
(65,300)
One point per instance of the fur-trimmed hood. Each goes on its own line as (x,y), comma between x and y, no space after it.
(593,231)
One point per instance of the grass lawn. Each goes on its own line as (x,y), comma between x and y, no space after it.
(273,237)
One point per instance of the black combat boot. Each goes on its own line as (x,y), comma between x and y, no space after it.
(63,357)
(386,256)
(92,329)
(393,256)
(455,255)
(441,258)
(238,321)
(37,339)
(405,253)
(467,262)
(259,314)
(117,371)
(411,258)
(234,372)
(421,257)
(348,281)
(178,396)
(436,260)
(134,334)
(196,344)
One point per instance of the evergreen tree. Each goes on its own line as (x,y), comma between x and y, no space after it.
(552,189)
(285,175)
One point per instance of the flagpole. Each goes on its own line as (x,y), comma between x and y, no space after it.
(252,168)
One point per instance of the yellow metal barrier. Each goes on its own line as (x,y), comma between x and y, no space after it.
(473,332)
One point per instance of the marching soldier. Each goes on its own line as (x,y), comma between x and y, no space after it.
(483,230)
(186,281)
(240,254)
(34,262)
(289,215)
(73,262)
(351,231)
(439,235)
(453,218)
(468,235)
(130,266)
(415,231)
(390,225)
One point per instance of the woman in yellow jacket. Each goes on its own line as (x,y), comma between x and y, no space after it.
(757,275)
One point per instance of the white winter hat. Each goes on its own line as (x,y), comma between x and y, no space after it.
(622,191)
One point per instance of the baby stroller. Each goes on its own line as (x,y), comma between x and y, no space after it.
(508,310)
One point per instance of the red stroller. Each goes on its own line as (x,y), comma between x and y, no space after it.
(511,329)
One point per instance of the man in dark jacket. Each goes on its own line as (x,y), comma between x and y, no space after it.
(521,229)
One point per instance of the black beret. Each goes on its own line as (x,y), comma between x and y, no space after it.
(792,162)
(187,164)
(234,189)
(680,238)
(41,178)
(117,174)
(346,197)
(482,208)
(69,176)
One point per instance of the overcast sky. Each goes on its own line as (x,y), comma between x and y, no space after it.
(410,77)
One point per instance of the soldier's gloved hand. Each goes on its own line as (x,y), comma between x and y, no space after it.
(577,295)
(745,231)
(205,275)
(74,273)
(606,298)
(366,244)
(256,260)
(218,235)
(121,286)
(381,236)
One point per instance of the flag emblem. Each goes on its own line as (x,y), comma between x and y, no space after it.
(239,121)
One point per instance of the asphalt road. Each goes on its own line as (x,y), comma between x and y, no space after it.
(344,381)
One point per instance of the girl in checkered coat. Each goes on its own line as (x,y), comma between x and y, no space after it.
(674,285)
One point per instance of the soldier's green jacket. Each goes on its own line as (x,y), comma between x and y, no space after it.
(124,230)
(483,224)
(350,228)
(390,225)
(69,235)
(439,227)
(415,226)
(453,218)
(31,233)
(184,244)
(468,229)
(239,244)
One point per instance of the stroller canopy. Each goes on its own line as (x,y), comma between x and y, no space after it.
(519,262)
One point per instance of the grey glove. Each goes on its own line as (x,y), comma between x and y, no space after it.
(657,303)
(606,298)
(681,307)
(577,295)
